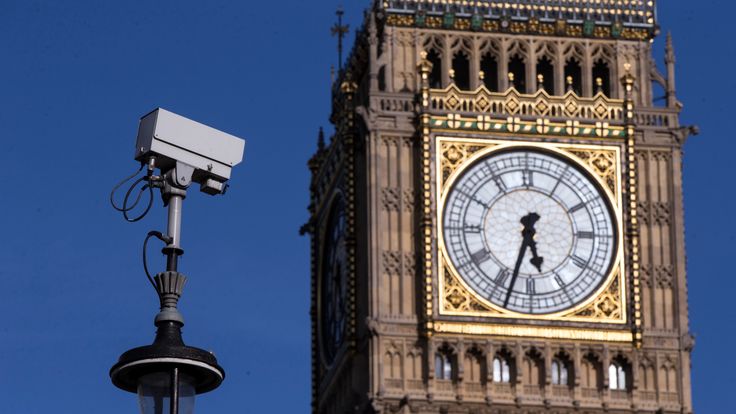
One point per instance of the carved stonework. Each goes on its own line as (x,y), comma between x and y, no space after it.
(661,213)
(392,263)
(646,275)
(395,263)
(409,264)
(644,209)
(408,200)
(663,276)
(390,199)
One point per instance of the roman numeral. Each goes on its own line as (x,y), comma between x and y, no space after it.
(480,256)
(576,208)
(586,235)
(528,177)
(581,263)
(530,287)
(559,281)
(472,229)
(501,277)
(501,185)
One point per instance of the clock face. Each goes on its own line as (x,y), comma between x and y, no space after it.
(333,293)
(529,231)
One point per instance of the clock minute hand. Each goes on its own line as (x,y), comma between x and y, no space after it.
(519,261)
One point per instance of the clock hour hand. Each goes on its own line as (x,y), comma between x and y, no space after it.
(527,234)
(536,260)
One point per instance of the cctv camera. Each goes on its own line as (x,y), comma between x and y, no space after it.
(172,139)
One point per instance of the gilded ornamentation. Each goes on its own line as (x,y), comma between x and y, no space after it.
(454,155)
(602,162)
(464,15)
(534,331)
(458,299)
(607,306)
(604,115)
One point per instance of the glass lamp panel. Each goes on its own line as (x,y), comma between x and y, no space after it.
(154,393)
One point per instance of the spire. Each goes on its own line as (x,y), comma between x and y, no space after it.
(321,140)
(340,30)
(669,54)
(669,59)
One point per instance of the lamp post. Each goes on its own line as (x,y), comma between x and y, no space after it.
(167,375)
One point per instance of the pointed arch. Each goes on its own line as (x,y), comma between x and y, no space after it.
(503,367)
(518,54)
(591,371)
(562,369)
(475,365)
(534,367)
(619,374)
(445,362)
(489,64)
(434,46)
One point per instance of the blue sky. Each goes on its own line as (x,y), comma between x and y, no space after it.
(77,75)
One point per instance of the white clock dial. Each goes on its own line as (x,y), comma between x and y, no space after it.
(529,231)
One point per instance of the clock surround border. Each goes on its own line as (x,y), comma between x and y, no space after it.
(483,147)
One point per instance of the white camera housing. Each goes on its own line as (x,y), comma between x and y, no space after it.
(172,138)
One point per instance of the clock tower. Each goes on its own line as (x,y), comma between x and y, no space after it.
(497,222)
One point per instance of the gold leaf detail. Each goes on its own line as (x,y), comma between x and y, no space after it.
(603,163)
(458,299)
(454,155)
(607,306)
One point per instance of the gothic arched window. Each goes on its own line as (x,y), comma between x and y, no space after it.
(501,369)
(546,75)
(461,68)
(534,368)
(573,77)
(517,72)
(601,78)
(591,372)
(474,366)
(443,365)
(618,378)
(560,371)
(489,67)
(435,76)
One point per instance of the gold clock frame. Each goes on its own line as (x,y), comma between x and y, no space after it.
(608,305)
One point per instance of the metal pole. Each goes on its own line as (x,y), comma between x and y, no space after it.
(175,207)
(174,404)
